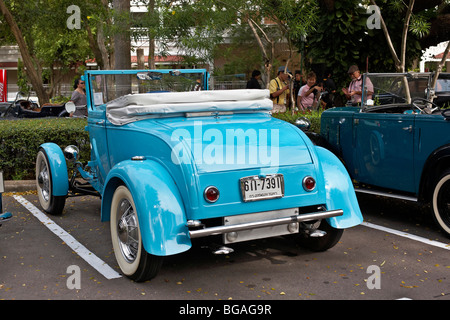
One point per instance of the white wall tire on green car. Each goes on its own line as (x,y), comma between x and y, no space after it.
(131,256)
(441,202)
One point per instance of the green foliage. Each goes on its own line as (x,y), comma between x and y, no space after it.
(313,116)
(20,140)
(342,38)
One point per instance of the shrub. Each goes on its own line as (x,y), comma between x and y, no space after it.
(20,140)
(313,116)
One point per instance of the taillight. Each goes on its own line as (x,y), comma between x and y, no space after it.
(211,194)
(309,183)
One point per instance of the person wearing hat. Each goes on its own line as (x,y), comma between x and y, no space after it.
(279,90)
(354,91)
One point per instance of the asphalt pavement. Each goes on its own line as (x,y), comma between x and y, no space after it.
(398,253)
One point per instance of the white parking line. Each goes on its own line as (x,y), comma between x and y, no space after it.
(408,235)
(82,251)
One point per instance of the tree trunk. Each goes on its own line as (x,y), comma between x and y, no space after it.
(438,71)
(151,40)
(33,72)
(122,41)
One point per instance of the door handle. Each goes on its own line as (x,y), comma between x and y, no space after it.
(408,128)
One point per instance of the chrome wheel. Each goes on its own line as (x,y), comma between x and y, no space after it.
(50,203)
(127,231)
(43,180)
(127,241)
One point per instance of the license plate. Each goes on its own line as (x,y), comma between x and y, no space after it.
(259,188)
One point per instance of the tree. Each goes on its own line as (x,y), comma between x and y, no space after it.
(33,68)
(48,47)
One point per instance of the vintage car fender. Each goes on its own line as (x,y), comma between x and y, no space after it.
(58,168)
(159,206)
(340,193)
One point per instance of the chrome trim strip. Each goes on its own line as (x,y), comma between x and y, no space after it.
(267,223)
(386,194)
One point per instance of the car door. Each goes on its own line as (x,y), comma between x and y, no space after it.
(384,150)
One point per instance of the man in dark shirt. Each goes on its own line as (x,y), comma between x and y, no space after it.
(253,83)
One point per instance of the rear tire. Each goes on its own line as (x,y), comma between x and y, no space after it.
(51,204)
(321,243)
(440,202)
(131,256)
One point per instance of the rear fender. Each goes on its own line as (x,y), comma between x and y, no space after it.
(159,206)
(58,169)
(340,193)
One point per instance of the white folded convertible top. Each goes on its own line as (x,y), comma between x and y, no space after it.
(134,107)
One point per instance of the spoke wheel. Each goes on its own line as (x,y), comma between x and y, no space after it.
(126,237)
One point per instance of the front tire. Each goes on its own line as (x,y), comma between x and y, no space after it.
(441,202)
(131,256)
(51,204)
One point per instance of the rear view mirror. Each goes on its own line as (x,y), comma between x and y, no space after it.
(175,73)
(70,107)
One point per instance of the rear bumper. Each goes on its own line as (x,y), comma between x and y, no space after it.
(265,223)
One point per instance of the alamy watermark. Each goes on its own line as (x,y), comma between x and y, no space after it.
(374,280)
(228,147)
(74,21)
(374,21)
(74,280)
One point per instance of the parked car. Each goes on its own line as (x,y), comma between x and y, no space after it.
(397,143)
(172,165)
(23,107)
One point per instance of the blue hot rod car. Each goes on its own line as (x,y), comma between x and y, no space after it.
(397,143)
(172,164)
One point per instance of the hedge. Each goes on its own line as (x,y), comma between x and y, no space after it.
(313,116)
(20,140)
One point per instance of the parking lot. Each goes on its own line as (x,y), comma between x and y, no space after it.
(74,260)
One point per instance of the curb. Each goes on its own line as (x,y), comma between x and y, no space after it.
(20,185)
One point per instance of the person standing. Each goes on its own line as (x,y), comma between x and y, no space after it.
(279,90)
(253,83)
(308,94)
(354,91)
(79,98)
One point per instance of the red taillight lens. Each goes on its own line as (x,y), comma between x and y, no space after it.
(211,194)
(309,183)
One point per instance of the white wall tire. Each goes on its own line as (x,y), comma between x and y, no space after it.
(130,254)
(441,203)
(51,204)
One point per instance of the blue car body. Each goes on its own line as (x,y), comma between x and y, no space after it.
(390,146)
(169,159)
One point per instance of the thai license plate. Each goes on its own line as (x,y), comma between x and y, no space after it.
(259,188)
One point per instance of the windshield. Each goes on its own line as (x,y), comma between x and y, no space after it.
(443,85)
(106,86)
(397,88)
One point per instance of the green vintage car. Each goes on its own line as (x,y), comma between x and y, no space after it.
(396,143)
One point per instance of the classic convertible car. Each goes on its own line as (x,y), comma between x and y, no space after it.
(23,107)
(172,164)
(396,144)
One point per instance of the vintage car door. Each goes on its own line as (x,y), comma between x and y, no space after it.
(384,150)
(97,130)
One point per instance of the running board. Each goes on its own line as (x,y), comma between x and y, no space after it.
(387,194)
